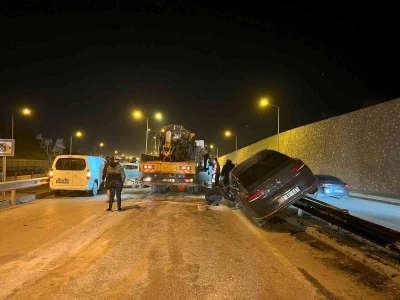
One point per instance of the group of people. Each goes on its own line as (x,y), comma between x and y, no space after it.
(214,168)
(114,176)
(218,192)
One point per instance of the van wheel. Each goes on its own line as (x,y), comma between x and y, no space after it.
(57,192)
(94,190)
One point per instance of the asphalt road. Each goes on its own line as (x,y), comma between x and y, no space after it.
(381,213)
(164,247)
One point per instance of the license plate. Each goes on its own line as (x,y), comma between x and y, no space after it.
(62,180)
(288,195)
(338,191)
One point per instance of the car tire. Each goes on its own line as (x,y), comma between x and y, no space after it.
(94,190)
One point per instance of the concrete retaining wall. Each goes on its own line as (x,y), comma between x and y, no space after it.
(362,148)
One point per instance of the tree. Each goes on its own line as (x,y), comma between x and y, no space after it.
(51,150)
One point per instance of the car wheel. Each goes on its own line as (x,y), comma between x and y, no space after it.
(94,189)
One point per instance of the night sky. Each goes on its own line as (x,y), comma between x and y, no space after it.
(201,64)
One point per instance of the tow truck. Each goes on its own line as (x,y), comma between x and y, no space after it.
(177,163)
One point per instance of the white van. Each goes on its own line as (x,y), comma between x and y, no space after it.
(76,173)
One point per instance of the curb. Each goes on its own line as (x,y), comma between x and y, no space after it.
(347,247)
(25,199)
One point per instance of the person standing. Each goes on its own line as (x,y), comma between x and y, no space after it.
(217,171)
(103,177)
(115,177)
(226,169)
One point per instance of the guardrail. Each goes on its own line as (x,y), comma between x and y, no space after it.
(13,186)
(380,235)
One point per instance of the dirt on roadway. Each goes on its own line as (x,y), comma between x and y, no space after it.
(163,247)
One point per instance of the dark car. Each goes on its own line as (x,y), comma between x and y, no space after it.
(270,181)
(331,186)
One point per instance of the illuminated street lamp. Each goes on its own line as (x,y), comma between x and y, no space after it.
(116,151)
(212,147)
(264,103)
(24,112)
(229,134)
(77,134)
(138,115)
(94,148)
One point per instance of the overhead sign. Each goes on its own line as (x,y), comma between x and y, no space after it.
(7,147)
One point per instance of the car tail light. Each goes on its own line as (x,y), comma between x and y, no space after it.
(346,186)
(297,167)
(185,168)
(325,184)
(256,195)
(51,173)
(88,174)
(149,166)
(189,180)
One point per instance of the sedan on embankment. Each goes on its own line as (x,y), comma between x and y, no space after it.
(269,182)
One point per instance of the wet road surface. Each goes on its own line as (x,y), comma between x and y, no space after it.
(163,247)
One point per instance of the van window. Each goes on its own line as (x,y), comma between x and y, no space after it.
(261,168)
(72,164)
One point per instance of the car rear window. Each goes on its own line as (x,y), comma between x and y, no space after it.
(261,168)
(72,164)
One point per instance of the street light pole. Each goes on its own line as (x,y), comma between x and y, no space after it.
(70,146)
(12,127)
(264,103)
(147,132)
(236,152)
(278,127)
(277,107)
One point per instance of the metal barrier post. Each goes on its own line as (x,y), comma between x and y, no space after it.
(15,176)
(31,174)
(13,197)
(4,169)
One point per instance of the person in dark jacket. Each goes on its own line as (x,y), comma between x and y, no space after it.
(216,194)
(226,169)
(103,178)
(115,177)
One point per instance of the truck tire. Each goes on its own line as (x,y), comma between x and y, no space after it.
(162,189)
(193,189)
(153,189)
